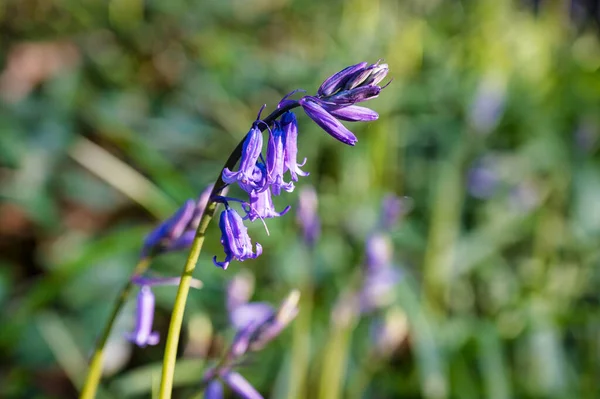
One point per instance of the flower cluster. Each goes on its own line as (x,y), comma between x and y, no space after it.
(263,176)
(256,324)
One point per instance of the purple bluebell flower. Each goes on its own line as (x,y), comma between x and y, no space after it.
(240,385)
(290,134)
(214,390)
(275,161)
(167,233)
(256,313)
(370,75)
(143,334)
(356,95)
(179,230)
(250,154)
(352,113)
(307,215)
(326,121)
(337,81)
(235,239)
(261,206)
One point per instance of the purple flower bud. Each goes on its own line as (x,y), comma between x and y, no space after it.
(356,95)
(307,215)
(337,81)
(235,239)
(214,390)
(326,121)
(143,334)
(240,386)
(353,113)
(275,161)
(378,73)
(250,154)
(290,140)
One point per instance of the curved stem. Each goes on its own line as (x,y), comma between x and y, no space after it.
(95,370)
(170,356)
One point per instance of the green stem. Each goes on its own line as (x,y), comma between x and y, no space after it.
(170,357)
(95,371)
(166,383)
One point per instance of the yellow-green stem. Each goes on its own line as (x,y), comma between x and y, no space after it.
(92,380)
(334,362)
(170,357)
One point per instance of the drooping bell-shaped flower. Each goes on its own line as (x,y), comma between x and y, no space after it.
(326,121)
(260,205)
(142,334)
(275,161)
(235,239)
(250,154)
(289,126)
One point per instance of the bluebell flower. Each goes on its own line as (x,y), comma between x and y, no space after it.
(261,206)
(352,113)
(275,161)
(143,334)
(290,135)
(179,230)
(235,239)
(250,154)
(315,111)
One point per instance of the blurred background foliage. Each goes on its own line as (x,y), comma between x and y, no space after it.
(114,112)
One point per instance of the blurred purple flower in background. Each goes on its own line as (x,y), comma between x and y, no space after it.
(142,334)
(256,324)
(178,231)
(488,104)
(482,178)
(307,215)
